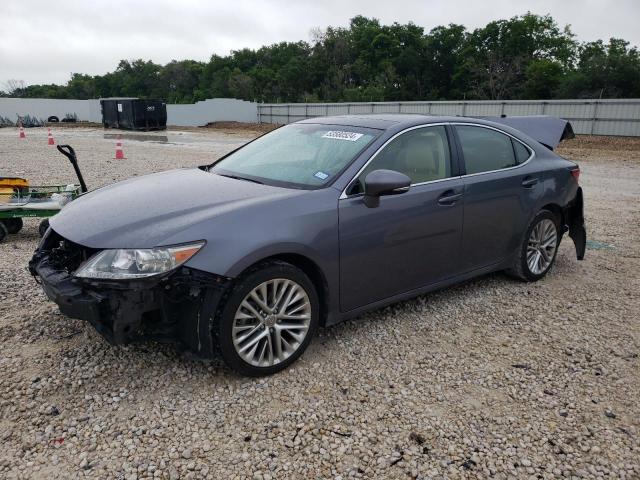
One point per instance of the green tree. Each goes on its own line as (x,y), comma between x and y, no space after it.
(178,80)
(543,77)
(604,70)
(498,55)
(527,56)
(240,85)
(443,75)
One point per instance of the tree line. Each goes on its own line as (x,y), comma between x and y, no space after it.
(525,57)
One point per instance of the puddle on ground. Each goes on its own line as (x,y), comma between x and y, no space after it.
(140,137)
(176,138)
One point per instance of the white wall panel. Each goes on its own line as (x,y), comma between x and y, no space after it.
(600,117)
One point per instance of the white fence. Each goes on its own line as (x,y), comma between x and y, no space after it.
(588,117)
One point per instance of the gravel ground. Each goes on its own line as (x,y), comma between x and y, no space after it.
(490,378)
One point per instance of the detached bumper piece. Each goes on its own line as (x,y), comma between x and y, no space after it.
(178,307)
(575,220)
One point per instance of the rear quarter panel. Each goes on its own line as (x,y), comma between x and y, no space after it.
(558,185)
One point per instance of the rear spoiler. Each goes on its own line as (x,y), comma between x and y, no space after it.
(549,131)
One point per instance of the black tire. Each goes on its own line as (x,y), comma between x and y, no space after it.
(13,225)
(43,227)
(520,268)
(3,231)
(244,285)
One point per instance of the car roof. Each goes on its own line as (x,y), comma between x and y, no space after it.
(385,121)
(381,121)
(396,122)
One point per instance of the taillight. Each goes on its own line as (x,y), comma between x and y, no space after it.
(575,173)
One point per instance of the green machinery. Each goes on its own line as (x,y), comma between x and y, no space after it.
(19,200)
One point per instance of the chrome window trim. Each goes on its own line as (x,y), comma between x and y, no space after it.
(415,127)
(531,157)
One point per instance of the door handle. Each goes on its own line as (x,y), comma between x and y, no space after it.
(449,198)
(529,182)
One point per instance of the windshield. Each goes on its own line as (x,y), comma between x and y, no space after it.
(301,155)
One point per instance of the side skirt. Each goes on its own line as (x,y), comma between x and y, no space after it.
(337,317)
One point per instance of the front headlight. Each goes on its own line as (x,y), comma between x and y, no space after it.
(136,263)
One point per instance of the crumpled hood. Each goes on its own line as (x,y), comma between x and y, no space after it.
(158,209)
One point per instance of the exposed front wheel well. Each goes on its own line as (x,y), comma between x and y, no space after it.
(311,270)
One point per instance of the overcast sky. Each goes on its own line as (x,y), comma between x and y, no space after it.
(43,41)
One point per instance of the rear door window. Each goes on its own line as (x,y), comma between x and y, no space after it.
(485,149)
(522,152)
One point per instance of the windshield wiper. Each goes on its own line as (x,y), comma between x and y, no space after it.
(240,178)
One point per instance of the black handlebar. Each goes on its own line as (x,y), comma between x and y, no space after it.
(69,152)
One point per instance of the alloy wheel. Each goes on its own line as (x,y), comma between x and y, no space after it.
(541,247)
(271,322)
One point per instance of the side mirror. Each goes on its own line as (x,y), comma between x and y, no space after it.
(383,182)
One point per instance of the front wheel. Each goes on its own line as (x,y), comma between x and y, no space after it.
(43,227)
(268,320)
(539,248)
(14,225)
(3,231)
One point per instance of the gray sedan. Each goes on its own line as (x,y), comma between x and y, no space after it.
(309,225)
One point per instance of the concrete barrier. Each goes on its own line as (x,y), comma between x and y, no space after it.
(212,110)
(193,115)
(86,110)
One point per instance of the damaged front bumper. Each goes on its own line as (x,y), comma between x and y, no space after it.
(177,307)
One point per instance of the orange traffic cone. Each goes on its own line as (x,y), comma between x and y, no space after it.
(119,152)
(22,135)
(51,140)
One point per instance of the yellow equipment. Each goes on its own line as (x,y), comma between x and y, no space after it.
(18,199)
(12,187)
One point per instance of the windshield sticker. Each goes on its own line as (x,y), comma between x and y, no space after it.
(321,175)
(338,135)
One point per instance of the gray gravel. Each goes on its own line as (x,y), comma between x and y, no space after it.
(490,378)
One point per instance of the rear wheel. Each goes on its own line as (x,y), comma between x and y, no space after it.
(539,248)
(14,225)
(268,319)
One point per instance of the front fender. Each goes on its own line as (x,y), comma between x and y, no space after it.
(273,250)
